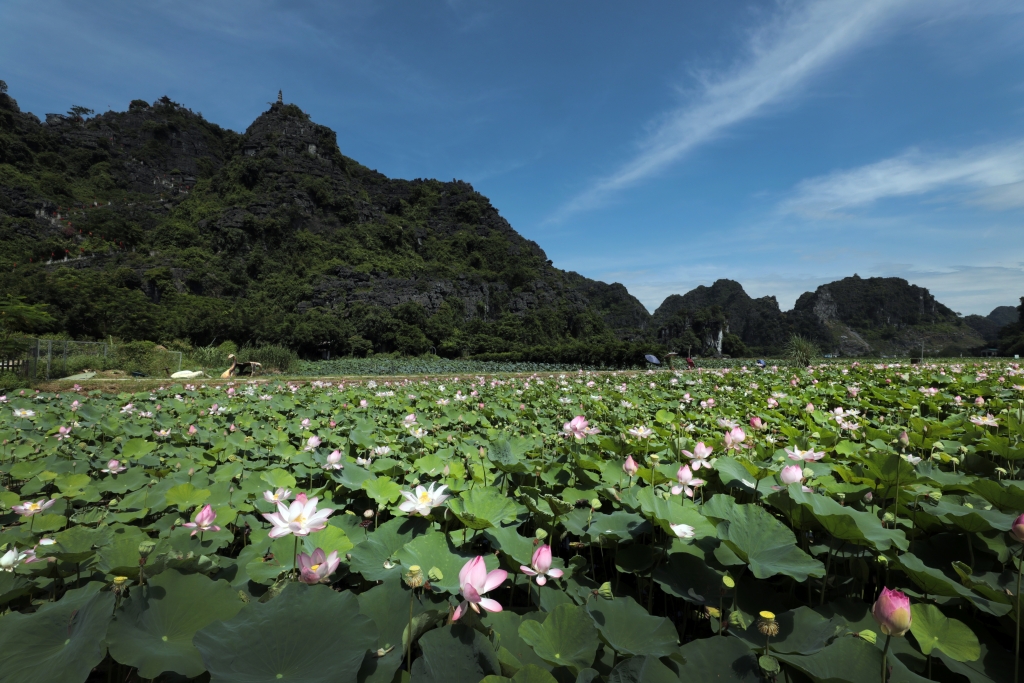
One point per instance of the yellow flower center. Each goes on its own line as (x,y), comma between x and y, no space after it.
(424,497)
(314,567)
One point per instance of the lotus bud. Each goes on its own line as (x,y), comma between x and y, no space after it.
(630,467)
(868,497)
(1017,529)
(791,474)
(888,518)
(904,439)
(892,612)
(605,591)
(414,577)
(368,514)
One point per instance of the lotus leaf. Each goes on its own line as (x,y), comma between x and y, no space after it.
(567,637)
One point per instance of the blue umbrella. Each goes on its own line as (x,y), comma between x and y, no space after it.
(652,359)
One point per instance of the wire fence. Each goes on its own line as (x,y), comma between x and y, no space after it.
(45,359)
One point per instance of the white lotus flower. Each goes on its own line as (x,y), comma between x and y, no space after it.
(682,530)
(423,500)
(300,518)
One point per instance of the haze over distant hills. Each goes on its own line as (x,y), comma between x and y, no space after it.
(157,224)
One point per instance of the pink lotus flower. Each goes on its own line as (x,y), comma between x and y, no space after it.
(114,467)
(409,420)
(772,403)
(809,407)
(576,427)
(1017,530)
(278,496)
(312,442)
(305,422)
(734,439)
(362,403)
(334,461)
(474,581)
(63,433)
(31,508)
(979,401)
(192,430)
(892,612)
(904,439)
(699,457)
(686,480)
(756,423)
(203,521)
(792,474)
(317,567)
(630,467)
(300,518)
(540,566)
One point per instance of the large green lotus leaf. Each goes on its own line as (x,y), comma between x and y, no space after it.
(432,550)
(134,449)
(734,474)
(719,658)
(994,663)
(1008,495)
(935,582)
(567,637)
(508,540)
(483,507)
(380,546)
(72,485)
(973,520)
(646,669)
(842,522)
(454,653)
(120,556)
(849,660)
(675,510)
(505,625)
(630,630)
(153,630)
(382,490)
(389,605)
(186,496)
(762,541)
(42,524)
(801,631)
(59,643)
(689,577)
(619,525)
(330,538)
(285,639)
(132,480)
(79,543)
(933,629)
(12,586)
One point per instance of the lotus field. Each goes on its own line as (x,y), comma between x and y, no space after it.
(854,522)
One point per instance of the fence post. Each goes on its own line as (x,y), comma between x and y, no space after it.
(49,355)
(179,361)
(64,370)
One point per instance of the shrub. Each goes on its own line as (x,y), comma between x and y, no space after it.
(801,350)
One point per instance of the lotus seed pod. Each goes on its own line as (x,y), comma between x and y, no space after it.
(808,473)
(414,577)
(146,547)
(541,534)
(935,495)
(888,518)
(368,514)
(595,503)
(868,635)
(435,574)
(605,591)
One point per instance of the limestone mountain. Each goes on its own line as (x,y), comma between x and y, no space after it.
(989,326)
(156,224)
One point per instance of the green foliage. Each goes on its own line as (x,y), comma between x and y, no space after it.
(801,351)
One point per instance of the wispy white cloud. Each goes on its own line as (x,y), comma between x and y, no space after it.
(780,58)
(990,176)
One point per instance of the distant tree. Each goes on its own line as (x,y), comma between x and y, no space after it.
(18,317)
(801,350)
(3,87)
(138,105)
(79,112)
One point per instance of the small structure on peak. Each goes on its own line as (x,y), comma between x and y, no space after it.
(280,97)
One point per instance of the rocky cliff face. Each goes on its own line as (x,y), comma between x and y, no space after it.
(177,210)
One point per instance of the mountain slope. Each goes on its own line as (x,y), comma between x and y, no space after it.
(176,228)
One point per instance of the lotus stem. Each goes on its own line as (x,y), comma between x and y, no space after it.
(1016,638)
(408,645)
(885,652)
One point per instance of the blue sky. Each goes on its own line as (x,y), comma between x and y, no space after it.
(662,144)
